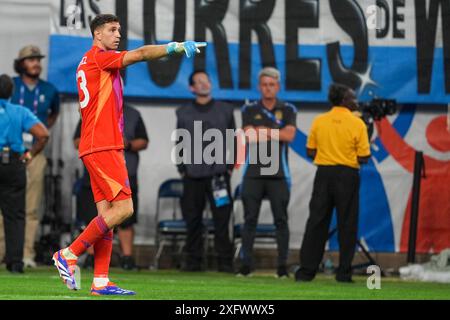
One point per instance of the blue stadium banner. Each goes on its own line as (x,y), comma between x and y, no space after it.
(388,48)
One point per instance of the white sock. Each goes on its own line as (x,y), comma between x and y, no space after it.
(101,282)
(69,254)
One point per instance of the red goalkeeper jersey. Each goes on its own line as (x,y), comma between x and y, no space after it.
(101,100)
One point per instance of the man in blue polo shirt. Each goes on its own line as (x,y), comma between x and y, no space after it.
(41,98)
(14,121)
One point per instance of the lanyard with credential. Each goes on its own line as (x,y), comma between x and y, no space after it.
(35,101)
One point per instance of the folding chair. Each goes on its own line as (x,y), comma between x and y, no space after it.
(173,231)
(169,231)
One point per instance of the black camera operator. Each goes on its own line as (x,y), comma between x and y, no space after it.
(338,143)
(14,121)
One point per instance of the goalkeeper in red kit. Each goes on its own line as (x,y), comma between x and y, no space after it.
(101,146)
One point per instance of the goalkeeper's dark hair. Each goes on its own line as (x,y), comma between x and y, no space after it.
(6,86)
(191,77)
(336,93)
(101,19)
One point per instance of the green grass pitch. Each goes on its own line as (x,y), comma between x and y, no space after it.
(43,283)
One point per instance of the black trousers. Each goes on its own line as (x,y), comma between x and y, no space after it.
(193,202)
(252,193)
(13,183)
(334,187)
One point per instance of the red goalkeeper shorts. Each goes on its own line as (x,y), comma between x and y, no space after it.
(108,174)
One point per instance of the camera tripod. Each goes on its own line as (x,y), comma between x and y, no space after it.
(51,226)
(371,260)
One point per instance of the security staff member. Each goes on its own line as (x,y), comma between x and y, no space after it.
(205,180)
(269,122)
(15,120)
(41,98)
(338,143)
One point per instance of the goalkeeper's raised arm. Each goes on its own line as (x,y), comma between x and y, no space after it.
(105,31)
(151,52)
